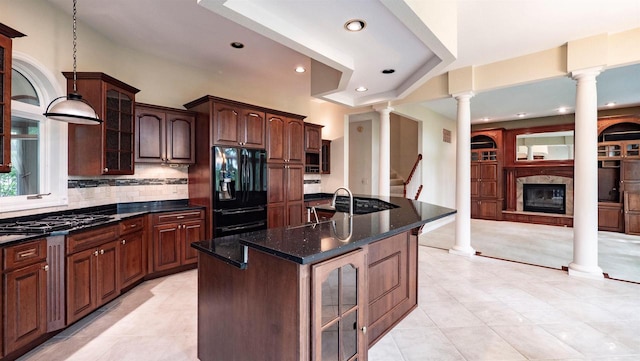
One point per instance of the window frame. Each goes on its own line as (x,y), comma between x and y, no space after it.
(53,139)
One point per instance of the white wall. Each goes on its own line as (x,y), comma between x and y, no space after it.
(438,166)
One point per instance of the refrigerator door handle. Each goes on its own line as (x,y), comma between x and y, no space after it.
(246,226)
(239,211)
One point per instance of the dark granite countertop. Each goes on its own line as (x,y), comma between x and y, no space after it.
(339,235)
(117,213)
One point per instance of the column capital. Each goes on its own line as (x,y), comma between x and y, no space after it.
(464,95)
(383,109)
(587,73)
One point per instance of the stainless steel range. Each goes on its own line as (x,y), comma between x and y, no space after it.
(51,223)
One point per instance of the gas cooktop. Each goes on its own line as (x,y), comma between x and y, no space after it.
(51,223)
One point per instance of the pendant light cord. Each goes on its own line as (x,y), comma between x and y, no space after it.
(75,37)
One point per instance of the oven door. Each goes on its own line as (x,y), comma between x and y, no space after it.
(239,220)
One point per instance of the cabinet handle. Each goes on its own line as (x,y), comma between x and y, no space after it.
(133,226)
(102,251)
(179,217)
(106,170)
(27,253)
(364,329)
(124,241)
(95,253)
(10,165)
(46,268)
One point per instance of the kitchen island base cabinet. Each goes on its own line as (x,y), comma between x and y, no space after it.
(259,313)
(393,283)
(283,310)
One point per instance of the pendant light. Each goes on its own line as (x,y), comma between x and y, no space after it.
(73,109)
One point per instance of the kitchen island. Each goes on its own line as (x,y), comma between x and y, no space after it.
(328,290)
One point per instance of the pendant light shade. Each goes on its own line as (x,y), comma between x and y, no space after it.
(73,109)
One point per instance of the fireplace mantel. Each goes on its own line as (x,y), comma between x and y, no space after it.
(513,173)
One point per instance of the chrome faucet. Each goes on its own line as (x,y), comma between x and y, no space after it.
(335,195)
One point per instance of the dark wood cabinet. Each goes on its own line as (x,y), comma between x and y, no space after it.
(133,251)
(285,195)
(325,157)
(312,148)
(486,174)
(392,266)
(312,137)
(25,294)
(619,174)
(173,233)
(285,171)
(235,126)
(164,135)
(338,308)
(285,139)
(6,36)
(93,264)
(107,148)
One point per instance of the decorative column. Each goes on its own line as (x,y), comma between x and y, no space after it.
(585,209)
(384,182)
(463,177)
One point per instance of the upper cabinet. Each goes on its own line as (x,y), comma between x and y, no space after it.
(107,148)
(6,34)
(312,147)
(235,125)
(285,136)
(164,135)
(312,137)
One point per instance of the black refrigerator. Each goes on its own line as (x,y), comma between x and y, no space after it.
(240,190)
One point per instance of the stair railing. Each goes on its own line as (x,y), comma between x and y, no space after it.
(414,187)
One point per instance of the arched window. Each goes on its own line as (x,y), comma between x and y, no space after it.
(38,176)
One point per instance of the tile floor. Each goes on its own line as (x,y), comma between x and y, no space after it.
(549,246)
(470,308)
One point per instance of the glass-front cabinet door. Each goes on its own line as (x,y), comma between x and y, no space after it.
(119,135)
(338,309)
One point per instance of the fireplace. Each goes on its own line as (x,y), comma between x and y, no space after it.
(547,198)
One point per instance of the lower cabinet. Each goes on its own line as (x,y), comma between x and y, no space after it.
(172,236)
(133,251)
(338,323)
(485,209)
(610,217)
(93,276)
(392,268)
(25,294)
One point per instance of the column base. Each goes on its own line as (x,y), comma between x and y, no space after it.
(585,272)
(463,251)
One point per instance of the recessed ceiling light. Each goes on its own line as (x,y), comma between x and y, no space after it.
(300,69)
(355,25)
(361,89)
(237,45)
(562,110)
(610,104)
(521,115)
(388,71)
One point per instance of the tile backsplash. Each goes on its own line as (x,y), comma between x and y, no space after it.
(149,183)
(312,183)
